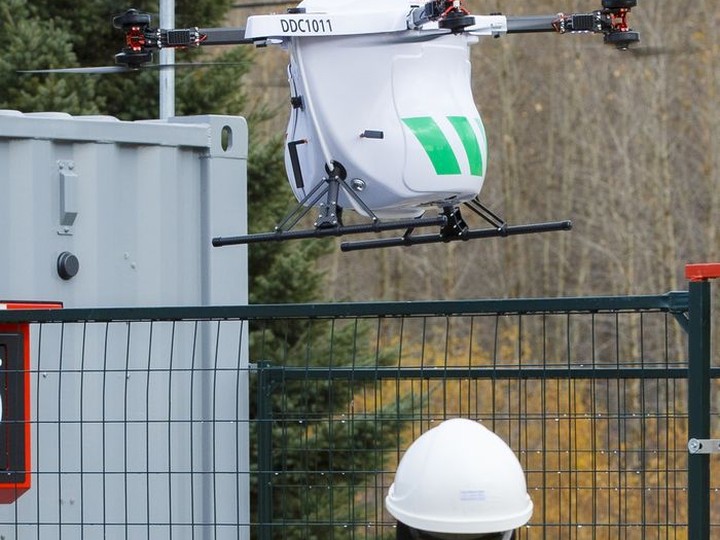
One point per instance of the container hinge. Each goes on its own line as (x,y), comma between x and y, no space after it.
(704,446)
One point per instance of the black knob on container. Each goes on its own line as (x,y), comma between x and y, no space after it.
(68,265)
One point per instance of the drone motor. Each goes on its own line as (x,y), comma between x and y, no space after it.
(141,39)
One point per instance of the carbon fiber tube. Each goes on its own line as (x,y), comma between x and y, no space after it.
(342,230)
(531,24)
(409,240)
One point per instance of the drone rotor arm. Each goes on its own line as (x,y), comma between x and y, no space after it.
(139,47)
(612,22)
(223,36)
(594,22)
(533,24)
(488,25)
(178,38)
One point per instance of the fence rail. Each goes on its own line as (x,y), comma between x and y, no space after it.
(287,421)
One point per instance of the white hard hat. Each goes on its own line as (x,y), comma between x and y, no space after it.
(460,478)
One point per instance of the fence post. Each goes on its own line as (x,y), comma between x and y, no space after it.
(264,438)
(699,396)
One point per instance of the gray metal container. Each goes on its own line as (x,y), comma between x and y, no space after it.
(139,422)
(95,211)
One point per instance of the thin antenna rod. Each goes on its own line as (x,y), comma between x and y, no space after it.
(167,56)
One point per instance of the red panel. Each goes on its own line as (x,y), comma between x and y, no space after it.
(11,490)
(702,271)
(30,305)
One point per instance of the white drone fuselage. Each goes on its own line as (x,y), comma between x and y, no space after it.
(391,104)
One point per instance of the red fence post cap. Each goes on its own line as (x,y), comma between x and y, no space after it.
(702,271)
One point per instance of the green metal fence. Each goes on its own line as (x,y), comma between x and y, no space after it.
(288,421)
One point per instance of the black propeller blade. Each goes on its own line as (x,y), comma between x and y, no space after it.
(126,69)
(649,50)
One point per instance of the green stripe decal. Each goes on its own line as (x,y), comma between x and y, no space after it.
(435,144)
(484,136)
(470,143)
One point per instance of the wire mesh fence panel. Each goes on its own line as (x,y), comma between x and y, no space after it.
(137,432)
(289,421)
(593,404)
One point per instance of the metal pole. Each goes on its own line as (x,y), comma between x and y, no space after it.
(699,409)
(167,57)
(264,449)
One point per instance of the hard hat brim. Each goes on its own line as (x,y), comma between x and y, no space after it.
(470,525)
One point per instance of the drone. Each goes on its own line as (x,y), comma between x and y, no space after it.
(382,117)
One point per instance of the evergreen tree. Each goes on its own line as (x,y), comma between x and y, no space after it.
(31,42)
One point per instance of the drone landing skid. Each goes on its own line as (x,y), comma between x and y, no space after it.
(452,226)
(280,235)
(455,228)
(329,221)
